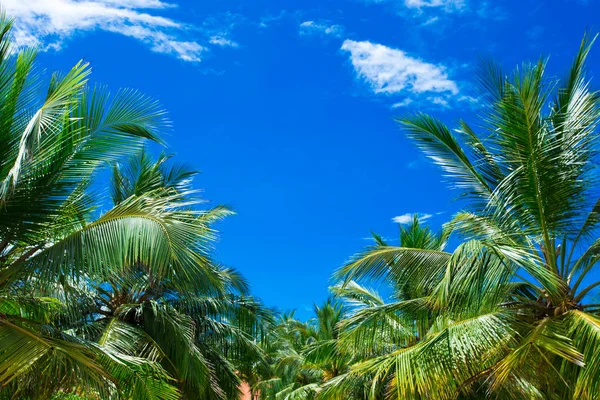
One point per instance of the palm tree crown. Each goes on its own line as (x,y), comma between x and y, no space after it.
(508,313)
(126,303)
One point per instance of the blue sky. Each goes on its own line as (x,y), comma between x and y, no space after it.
(287,107)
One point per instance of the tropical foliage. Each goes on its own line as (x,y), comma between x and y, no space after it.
(304,354)
(125,303)
(319,359)
(509,313)
(115,294)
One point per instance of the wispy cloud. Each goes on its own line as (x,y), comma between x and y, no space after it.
(446,6)
(218,28)
(271,19)
(432,11)
(442,101)
(392,71)
(321,28)
(450,5)
(472,101)
(222,41)
(403,103)
(438,100)
(408,217)
(431,21)
(48,24)
(490,10)
(386,239)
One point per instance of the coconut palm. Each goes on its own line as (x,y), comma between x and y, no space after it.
(509,313)
(53,239)
(296,350)
(306,355)
(291,375)
(201,329)
(373,327)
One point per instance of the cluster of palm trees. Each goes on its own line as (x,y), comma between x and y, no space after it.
(512,311)
(111,291)
(108,293)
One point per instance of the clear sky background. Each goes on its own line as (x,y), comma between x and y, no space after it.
(287,107)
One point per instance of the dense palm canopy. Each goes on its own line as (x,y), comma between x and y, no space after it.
(125,303)
(509,313)
(304,355)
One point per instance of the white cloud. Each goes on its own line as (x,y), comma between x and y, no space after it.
(385,238)
(447,4)
(438,100)
(222,41)
(270,19)
(402,103)
(474,101)
(431,21)
(443,100)
(312,27)
(420,6)
(408,217)
(389,70)
(140,3)
(49,23)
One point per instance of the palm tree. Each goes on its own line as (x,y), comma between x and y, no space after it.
(291,376)
(373,327)
(302,354)
(201,329)
(508,314)
(54,245)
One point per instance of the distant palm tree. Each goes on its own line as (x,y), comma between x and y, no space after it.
(199,328)
(374,328)
(304,354)
(509,313)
